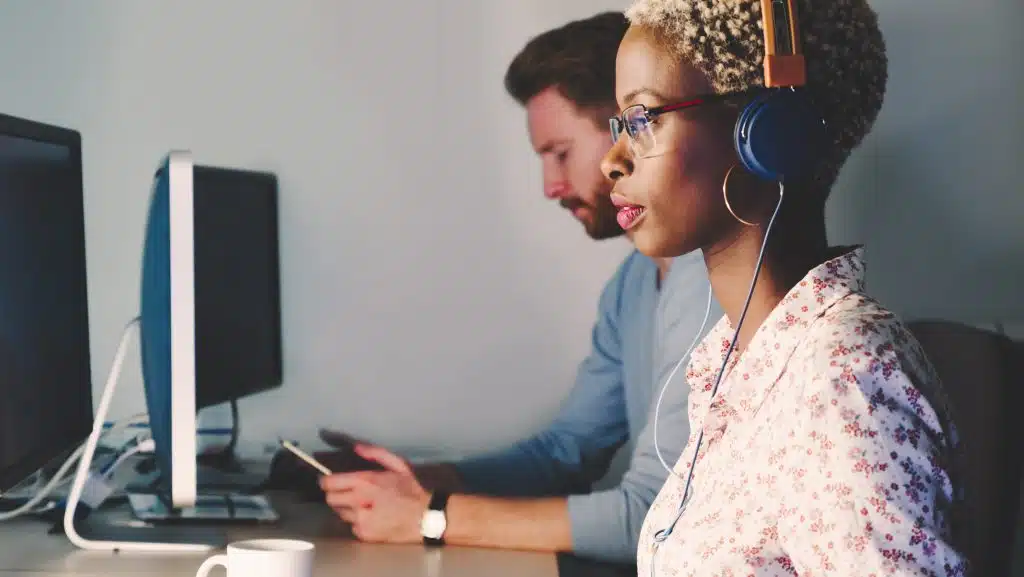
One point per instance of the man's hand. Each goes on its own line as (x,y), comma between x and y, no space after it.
(344,458)
(382,506)
(387,507)
(431,476)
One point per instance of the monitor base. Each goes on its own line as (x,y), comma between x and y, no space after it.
(222,509)
(172,538)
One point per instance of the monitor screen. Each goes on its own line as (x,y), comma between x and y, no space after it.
(237,284)
(45,379)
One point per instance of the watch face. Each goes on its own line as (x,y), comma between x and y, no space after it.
(433,525)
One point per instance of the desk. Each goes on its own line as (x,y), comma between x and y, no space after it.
(26,550)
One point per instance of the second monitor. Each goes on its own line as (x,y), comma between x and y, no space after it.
(237,284)
(237,291)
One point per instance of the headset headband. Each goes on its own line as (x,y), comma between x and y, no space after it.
(783,61)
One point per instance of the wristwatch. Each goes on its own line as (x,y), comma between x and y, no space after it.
(435,519)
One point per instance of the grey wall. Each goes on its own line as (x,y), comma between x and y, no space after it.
(936,191)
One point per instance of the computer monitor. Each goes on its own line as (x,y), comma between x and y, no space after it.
(167,327)
(211,315)
(209,323)
(237,284)
(45,373)
(170,335)
(227,275)
(238,303)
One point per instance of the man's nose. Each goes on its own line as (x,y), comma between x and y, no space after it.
(556,190)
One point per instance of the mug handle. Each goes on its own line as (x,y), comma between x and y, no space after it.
(210,563)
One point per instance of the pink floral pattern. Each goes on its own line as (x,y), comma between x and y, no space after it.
(826,449)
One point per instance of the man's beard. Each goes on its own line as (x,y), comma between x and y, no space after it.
(601,223)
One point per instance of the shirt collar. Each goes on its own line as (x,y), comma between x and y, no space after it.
(783,330)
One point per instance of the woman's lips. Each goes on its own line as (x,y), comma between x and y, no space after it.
(630,215)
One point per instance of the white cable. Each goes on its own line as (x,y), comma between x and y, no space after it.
(686,355)
(29,505)
(147,446)
(59,476)
(89,448)
(662,534)
(117,427)
(29,484)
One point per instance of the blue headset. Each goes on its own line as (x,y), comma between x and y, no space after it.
(780,136)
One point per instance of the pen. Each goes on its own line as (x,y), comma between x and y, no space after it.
(305,457)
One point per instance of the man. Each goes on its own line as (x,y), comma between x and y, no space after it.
(536,495)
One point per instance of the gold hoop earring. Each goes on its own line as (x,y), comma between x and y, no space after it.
(725,196)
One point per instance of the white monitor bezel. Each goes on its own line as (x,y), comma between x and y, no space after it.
(183,329)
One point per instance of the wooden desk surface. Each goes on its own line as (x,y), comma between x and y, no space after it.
(26,550)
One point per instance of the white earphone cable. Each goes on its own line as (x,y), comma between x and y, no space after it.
(663,534)
(679,363)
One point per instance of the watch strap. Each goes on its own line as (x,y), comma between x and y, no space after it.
(438,502)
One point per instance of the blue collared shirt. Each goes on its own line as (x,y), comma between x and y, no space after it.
(639,336)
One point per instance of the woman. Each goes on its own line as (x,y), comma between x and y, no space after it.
(821,440)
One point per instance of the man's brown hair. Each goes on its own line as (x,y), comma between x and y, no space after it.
(578,58)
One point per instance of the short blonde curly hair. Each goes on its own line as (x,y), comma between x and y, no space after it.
(840,39)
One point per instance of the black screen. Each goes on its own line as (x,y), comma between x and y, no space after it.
(237,284)
(45,380)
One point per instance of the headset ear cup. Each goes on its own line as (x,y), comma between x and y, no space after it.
(741,135)
(779,136)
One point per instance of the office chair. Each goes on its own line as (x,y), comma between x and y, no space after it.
(981,372)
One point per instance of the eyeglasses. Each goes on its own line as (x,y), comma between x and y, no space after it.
(636,120)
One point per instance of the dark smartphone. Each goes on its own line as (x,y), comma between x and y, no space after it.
(346,460)
(290,473)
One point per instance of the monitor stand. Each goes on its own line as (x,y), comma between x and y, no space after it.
(209,479)
(136,535)
(225,461)
(216,481)
(222,471)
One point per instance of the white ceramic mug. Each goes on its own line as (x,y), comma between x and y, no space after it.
(264,558)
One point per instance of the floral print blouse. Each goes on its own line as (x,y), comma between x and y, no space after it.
(826,451)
